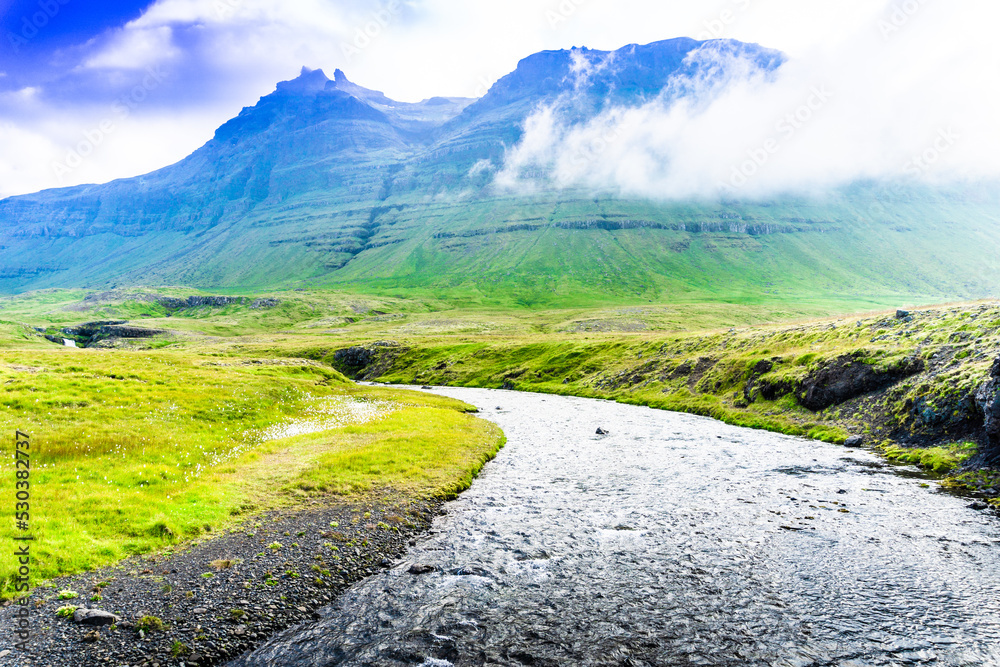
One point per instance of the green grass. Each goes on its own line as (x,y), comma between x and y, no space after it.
(936,459)
(344,312)
(977,481)
(860,247)
(418,449)
(134,451)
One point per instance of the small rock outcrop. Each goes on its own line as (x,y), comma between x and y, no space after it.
(988,401)
(264,303)
(848,377)
(367,362)
(354,358)
(760,385)
(86,335)
(175,303)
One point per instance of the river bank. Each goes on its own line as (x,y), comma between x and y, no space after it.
(199,504)
(209,602)
(915,386)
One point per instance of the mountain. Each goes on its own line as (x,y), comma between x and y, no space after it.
(327,183)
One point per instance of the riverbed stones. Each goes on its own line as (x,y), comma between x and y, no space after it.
(855,441)
(419,569)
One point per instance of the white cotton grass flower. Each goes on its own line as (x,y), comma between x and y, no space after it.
(328,414)
(323,415)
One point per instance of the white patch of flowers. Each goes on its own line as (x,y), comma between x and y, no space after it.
(328,414)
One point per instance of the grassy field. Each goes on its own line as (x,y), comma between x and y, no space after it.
(135,450)
(325,313)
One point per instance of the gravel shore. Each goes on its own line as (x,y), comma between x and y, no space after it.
(208,602)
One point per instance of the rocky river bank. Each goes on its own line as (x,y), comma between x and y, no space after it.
(208,602)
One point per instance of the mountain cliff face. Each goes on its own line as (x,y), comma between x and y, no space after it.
(324,182)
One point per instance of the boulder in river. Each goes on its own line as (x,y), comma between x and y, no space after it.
(601,431)
(854,441)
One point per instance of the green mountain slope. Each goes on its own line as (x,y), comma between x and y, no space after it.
(326,183)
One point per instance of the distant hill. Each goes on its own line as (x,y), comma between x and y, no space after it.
(326,183)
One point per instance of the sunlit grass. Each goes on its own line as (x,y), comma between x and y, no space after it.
(135,450)
(936,459)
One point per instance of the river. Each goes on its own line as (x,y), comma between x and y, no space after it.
(672,540)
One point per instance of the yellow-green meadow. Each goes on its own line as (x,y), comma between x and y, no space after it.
(132,451)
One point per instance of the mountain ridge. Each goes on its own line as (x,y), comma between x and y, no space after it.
(325,182)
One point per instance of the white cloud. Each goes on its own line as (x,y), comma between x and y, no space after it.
(19,152)
(21,97)
(915,99)
(135,48)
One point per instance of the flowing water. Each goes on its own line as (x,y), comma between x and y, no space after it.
(673,540)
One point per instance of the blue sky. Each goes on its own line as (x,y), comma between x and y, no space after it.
(140,85)
(32,28)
